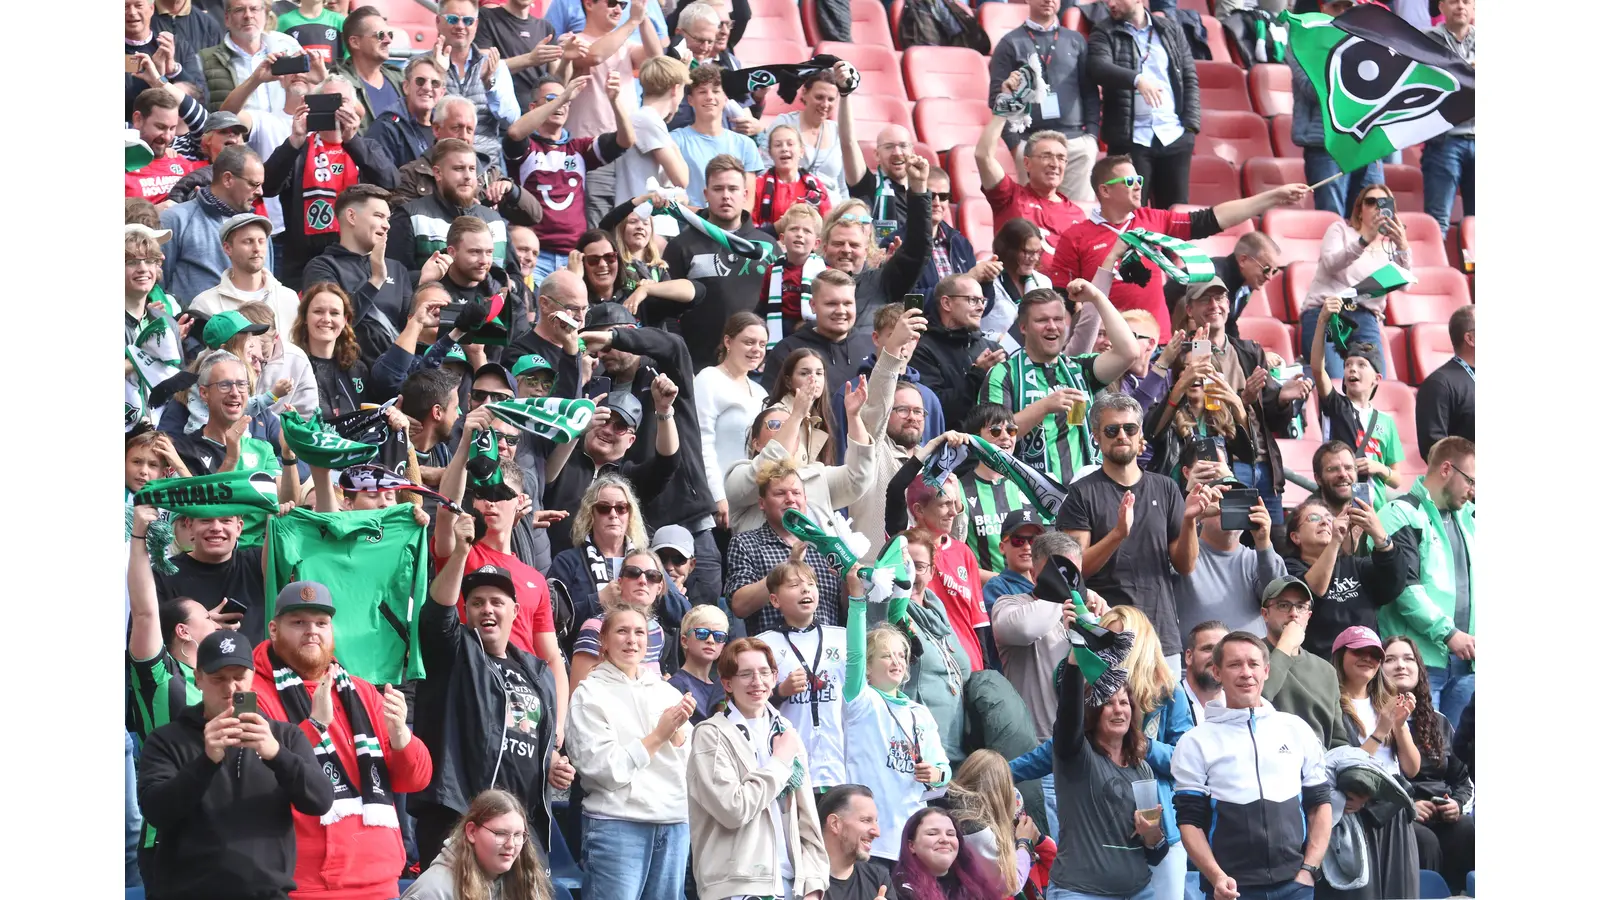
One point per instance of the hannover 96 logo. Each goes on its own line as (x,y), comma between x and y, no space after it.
(1371,87)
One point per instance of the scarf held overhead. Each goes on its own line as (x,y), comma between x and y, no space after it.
(328,171)
(320,445)
(552,418)
(234,493)
(739,84)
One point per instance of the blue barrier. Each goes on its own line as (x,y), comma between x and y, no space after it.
(1432,886)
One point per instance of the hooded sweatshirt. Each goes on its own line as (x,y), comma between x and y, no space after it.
(608,720)
(438,882)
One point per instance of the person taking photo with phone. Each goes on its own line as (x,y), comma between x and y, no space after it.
(1352,416)
(1353,248)
(1348,588)
(1228,577)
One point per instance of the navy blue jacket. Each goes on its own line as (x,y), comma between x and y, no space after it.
(962,259)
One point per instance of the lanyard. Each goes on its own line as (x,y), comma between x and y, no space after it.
(1361,438)
(814,683)
(1470,373)
(1151,39)
(1044,58)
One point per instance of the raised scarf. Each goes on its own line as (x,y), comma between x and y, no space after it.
(808,270)
(328,171)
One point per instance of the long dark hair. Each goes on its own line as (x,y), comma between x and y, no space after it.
(1424,722)
(822,409)
(592,236)
(1010,238)
(1134,745)
(974,878)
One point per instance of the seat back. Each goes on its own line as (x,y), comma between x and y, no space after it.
(1270,333)
(1406,183)
(1427,244)
(1266,173)
(1222,85)
(871,113)
(1397,353)
(879,66)
(1282,130)
(1234,135)
(1212,180)
(1298,232)
(1430,348)
(1272,89)
(998,19)
(1439,291)
(1399,399)
(773,20)
(944,122)
(945,72)
(766,51)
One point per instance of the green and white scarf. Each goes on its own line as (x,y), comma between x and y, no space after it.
(839,551)
(1155,246)
(548,417)
(235,493)
(808,270)
(321,446)
(1044,493)
(759,254)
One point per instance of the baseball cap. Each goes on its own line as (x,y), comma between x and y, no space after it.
(1201,288)
(311,595)
(1017,518)
(159,235)
(625,406)
(456,354)
(224,648)
(494,369)
(675,538)
(609,315)
(1279,585)
(1357,637)
(1366,351)
(224,325)
(221,120)
(533,362)
(489,576)
(234,223)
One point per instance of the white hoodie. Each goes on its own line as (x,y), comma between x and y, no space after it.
(606,726)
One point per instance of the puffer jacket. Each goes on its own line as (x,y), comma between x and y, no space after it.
(1114,64)
(220,81)
(606,724)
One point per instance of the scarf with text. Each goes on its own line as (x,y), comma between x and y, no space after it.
(767,194)
(552,418)
(233,493)
(328,171)
(739,84)
(808,270)
(321,446)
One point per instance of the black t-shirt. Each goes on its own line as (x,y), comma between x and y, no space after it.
(497,27)
(1140,572)
(241,578)
(863,883)
(521,759)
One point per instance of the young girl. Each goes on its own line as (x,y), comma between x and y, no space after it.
(786,182)
(985,804)
(1375,714)
(703,633)
(891,741)
(1350,416)
(789,284)
(488,856)
(801,392)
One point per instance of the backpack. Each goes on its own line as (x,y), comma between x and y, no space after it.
(941,23)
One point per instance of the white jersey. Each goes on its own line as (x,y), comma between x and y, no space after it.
(886,740)
(818,712)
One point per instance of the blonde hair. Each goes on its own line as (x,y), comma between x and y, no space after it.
(1143,317)
(1150,681)
(849,207)
(983,793)
(771,470)
(795,213)
(705,615)
(142,246)
(660,74)
(525,881)
(882,637)
(583,518)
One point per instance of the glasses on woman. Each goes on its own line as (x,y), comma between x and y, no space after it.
(610,509)
(507,837)
(510,440)
(153,262)
(706,634)
(653,576)
(1317,518)
(921,566)
(762,674)
(1128,428)
(1009,429)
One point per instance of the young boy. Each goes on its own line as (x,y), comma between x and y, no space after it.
(1351,417)
(811,660)
(703,633)
(789,283)
(707,138)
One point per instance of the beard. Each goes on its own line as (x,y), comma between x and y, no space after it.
(307,659)
(1203,679)
(1122,455)
(906,438)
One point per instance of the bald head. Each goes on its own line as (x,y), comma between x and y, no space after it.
(894,148)
(563,286)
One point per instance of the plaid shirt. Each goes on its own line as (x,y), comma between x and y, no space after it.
(941,253)
(752,554)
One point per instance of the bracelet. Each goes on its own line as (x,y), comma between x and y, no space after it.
(1172,403)
(139,537)
(663,416)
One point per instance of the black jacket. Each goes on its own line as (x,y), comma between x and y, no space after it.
(1435,779)
(1445,406)
(283,171)
(944,358)
(226,830)
(461,712)
(725,283)
(401,138)
(842,359)
(687,496)
(1114,64)
(380,311)
(1228,270)
(1360,585)
(899,273)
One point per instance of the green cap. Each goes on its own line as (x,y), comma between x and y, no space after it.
(456,354)
(224,325)
(533,362)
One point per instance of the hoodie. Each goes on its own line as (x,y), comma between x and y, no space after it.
(945,360)
(686,500)
(1307,686)
(609,717)
(225,829)
(841,358)
(438,882)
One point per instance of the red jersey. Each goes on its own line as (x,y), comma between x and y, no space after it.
(156,179)
(1010,200)
(533,594)
(956,583)
(556,173)
(1084,248)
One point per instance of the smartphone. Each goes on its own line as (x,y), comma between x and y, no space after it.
(1436,801)
(244,702)
(130,64)
(292,65)
(320,112)
(230,605)
(1201,346)
(1362,491)
(912,301)
(598,385)
(1236,505)
(1208,447)
(1386,206)
(569,321)
(447,313)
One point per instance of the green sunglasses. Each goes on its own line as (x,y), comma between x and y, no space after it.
(1129,180)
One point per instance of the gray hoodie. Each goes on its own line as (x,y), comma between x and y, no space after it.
(438,883)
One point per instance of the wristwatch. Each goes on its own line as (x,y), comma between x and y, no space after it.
(663,416)
(1316,871)
(321,728)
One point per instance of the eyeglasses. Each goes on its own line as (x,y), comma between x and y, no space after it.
(1007,429)
(1020,540)
(898,145)
(910,412)
(154,261)
(752,675)
(1287,606)
(1266,270)
(1143,337)
(595,259)
(971,299)
(422,81)
(1471,482)
(921,566)
(941,196)
(1129,180)
(1031,254)
(229,386)
(381,35)
(453,19)
(706,634)
(1316,518)
(1128,428)
(507,837)
(614,509)
(653,576)
(510,440)
(479,396)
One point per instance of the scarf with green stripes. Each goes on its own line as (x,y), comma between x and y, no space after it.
(548,417)
(372,797)
(758,254)
(1043,493)
(1154,246)
(319,445)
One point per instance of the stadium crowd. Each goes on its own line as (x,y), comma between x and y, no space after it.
(718,479)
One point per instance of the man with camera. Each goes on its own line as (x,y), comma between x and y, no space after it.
(1228,577)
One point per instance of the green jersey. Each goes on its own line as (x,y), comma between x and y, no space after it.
(1053,446)
(256,455)
(158,689)
(988,502)
(375,564)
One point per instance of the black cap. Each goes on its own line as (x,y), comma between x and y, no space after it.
(609,315)
(495,369)
(304,595)
(1018,518)
(224,648)
(625,406)
(489,576)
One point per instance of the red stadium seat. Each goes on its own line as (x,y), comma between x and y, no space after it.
(757,51)
(872,113)
(879,66)
(1217,39)
(1296,280)
(1468,235)
(1297,455)
(1282,129)
(1270,333)
(945,72)
(773,20)
(1260,305)
(1212,180)
(869,152)
(1439,291)
(1406,183)
(1397,350)
(1219,245)
(965,183)
(1266,173)
(1427,244)
(997,19)
(414,25)
(1272,89)
(1072,17)
(894,20)
(1222,85)
(1412,155)
(977,223)
(944,123)
(1298,232)
(1399,400)
(1234,135)
(868,23)
(1430,348)
(1203,7)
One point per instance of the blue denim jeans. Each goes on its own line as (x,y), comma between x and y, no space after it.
(1048,785)
(1336,195)
(1452,688)
(634,860)
(1148,892)
(1448,164)
(1368,330)
(548,262)
(134,821)
(1259,476)
(1285,890)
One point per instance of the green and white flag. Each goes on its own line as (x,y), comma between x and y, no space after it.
(320,445)
(136,153)
(548,417)
(149,370)
(839,551)
(1382,85)
(1384,279)
(1044,493)
(235,493)
(1155,246)
(759,254)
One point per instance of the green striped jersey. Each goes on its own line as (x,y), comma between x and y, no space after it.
(988,502)
(1052,446)
(159,688)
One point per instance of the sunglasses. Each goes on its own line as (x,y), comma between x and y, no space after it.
(653,576)
(856,217)
(380,35)
(706,634)
(420,81)
(997,430)
(595,259)
(510,440)
(1128,428)
(489,396)
(941,196)
(1143,337)
(453,19)
(1266,270)
(1129,180)
(616,4)
(615,509)
(1020,540)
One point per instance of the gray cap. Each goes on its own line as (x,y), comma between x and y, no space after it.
(1199,289)
(218,121)
(625,406)
(674,537)
(1279,585)
(296,595)
(234,223)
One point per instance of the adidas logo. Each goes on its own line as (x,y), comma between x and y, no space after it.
(1285,749)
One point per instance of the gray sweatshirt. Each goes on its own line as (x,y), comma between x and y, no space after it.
(1226,586)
